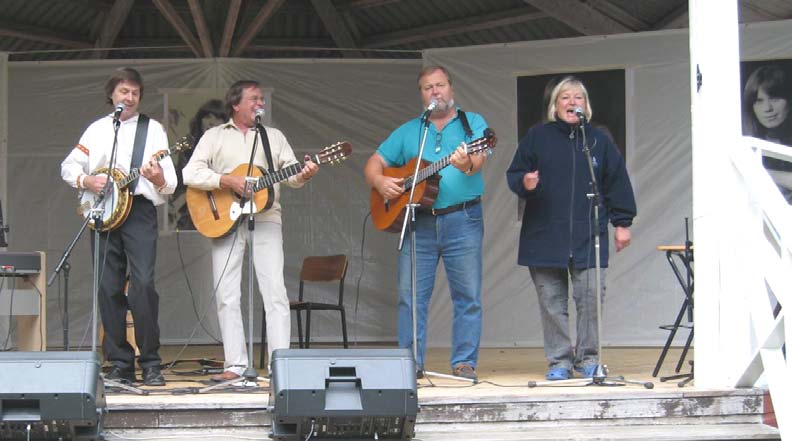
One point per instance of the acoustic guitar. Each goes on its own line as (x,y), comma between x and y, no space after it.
(216,213)
(388,215)
(118,200)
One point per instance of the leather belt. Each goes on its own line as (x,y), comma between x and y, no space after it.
(453,208)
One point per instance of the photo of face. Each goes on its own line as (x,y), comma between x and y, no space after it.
(767,92)
(770,111)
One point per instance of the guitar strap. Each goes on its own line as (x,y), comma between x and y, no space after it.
(465,123)
(138,147)
(265,145)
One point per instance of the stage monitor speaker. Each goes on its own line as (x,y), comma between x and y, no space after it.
(51,396)
(322,394)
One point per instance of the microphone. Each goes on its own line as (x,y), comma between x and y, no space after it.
(259,114)
(117,113)
(432,105)
(580,114)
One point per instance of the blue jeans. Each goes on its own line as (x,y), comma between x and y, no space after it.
(552,287)
(456,237)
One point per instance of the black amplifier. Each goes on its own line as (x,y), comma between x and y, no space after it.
(14,263)
(51,396)
(323,394)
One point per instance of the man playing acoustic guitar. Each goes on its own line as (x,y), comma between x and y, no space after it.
(133,242)
(452,228)
(220,150)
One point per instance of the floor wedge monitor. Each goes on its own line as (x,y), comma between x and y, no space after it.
(323,394)
(51,396)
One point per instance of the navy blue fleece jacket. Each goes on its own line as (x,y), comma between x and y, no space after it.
(557,225)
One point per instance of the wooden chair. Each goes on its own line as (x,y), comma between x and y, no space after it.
(315,269)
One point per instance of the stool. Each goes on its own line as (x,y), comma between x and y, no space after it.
(679,254)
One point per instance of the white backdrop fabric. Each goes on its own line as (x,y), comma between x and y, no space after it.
(318,102)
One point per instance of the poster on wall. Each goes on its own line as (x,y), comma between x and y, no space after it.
(188,114)
(606,90)
(766,97)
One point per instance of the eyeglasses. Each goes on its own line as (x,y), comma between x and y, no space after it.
(438,140)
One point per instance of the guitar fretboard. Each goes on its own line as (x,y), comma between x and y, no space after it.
(474,147)
(272,178)
(427,171)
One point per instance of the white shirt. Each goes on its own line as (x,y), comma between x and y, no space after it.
(224,147)
(95,147)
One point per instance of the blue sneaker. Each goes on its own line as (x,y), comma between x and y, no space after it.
(558,373)
(588,370)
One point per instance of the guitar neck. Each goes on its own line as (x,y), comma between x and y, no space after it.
(274,177)
(135,172)
(427,171)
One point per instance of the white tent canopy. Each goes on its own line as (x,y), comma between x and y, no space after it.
(318,102)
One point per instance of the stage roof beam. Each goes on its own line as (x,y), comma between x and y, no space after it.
(113,21)
(453,27)
(230,27)
(580,17)
(203,30)
(336,26)
(166,9)
(264,16)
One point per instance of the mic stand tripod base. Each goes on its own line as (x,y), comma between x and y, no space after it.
(600,378)
(245,380)
(120,385)
(447,377)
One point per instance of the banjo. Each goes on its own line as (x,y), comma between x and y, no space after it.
(118,199)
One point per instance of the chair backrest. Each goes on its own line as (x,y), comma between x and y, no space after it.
(324,269)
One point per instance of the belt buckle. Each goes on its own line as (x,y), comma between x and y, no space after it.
(434,213)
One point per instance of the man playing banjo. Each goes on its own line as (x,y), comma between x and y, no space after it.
(134,241)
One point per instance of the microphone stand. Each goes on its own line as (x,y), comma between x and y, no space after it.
(3,229)
(250,375)
(601,376)
(63,264)
(98,217)
(409,223)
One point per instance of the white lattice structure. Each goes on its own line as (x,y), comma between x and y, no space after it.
(742,225)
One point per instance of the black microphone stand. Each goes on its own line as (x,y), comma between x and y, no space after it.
(409,223)
(3,228)
(601,375)
(96,211)
(250,375)
(98,217)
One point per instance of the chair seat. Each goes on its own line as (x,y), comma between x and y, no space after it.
(313,305)
(321,269)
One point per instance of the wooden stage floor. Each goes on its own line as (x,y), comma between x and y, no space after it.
(501,406)
(499,370)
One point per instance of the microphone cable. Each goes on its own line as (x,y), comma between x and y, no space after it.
(189,287)
(10,314)
(360,277)
(176,359)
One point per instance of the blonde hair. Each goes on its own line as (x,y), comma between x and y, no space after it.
(566,83)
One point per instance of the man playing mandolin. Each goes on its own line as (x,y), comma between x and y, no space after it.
(220,150)
(452,228)
(134,242)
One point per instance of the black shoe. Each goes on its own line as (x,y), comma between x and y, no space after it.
(153,377)
(121,375)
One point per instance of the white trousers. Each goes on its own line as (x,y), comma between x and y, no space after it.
(227,259)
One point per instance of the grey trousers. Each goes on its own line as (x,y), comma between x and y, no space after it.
(552,287)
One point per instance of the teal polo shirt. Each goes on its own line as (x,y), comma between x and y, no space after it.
(455,187)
